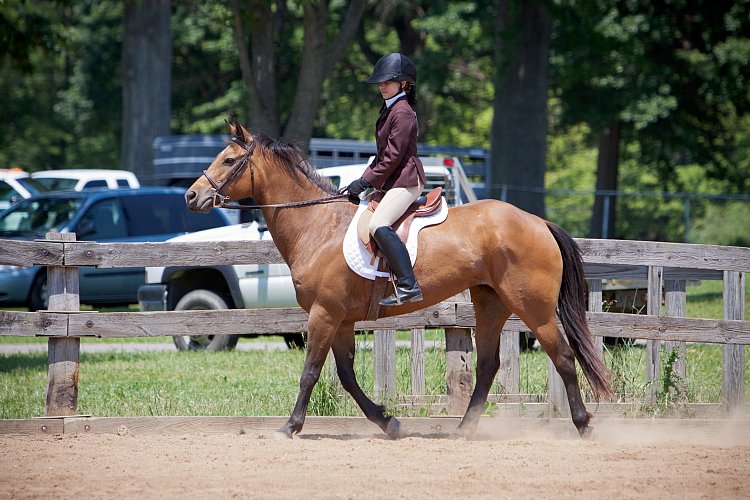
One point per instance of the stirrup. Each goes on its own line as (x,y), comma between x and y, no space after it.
(402,296)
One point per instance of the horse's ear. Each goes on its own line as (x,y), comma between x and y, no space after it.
(235,129)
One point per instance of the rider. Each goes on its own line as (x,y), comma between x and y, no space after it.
(396,169)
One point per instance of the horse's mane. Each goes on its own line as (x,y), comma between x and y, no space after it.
(292,160)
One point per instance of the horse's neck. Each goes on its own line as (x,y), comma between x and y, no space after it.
(299,232)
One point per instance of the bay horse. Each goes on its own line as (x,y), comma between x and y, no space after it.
(510,261)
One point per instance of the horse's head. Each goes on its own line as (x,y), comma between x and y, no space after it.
(222,181)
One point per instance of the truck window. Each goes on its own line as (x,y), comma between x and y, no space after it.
(166,214)
(198,222)
(103,220)
(154,214)
(95,184)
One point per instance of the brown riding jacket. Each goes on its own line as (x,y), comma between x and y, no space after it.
(396,163)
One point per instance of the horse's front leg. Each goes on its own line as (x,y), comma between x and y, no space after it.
(321,331)
(343,352)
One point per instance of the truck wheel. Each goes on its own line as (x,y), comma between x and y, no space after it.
(201,300)
(39,293)
(294,340)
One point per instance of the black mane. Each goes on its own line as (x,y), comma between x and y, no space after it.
(293,161)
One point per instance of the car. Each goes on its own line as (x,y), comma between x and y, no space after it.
(15,184)
(122,215)
(250,286)
(79,179)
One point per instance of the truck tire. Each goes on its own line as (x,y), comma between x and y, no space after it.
(203,300)
(294,340)
(38,295)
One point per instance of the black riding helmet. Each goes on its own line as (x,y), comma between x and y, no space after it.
(396,67)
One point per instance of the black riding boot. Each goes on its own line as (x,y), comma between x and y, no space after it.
(395,253)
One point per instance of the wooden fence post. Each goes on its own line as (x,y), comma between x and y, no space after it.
(509,374)
(653,308)
(63,353)
(384,355)
(417,361)
(557,396)
(675,298)
(734,355)
(458,369)
(596,305)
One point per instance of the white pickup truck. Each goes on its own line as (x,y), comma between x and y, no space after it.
(258,285)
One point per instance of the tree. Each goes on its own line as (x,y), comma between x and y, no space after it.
(146,81)
(327,33)
(670,78)
(60,84)
(519,126)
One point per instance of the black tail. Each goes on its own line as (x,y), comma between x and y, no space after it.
(572,313)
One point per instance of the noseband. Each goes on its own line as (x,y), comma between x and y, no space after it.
(218,198)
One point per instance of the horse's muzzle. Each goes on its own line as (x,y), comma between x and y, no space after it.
(196,203)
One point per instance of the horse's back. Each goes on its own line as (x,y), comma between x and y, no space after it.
(490,240)
(501,224)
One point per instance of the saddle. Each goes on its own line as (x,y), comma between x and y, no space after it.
(424,206)
(359,234)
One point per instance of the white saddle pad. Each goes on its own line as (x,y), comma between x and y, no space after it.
(359,258)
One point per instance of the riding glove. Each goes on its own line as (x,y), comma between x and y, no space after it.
(356,187)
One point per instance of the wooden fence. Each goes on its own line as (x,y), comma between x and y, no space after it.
(666,266)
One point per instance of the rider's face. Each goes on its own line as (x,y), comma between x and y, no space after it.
(389,89)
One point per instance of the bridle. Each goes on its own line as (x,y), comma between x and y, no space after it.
(219,199)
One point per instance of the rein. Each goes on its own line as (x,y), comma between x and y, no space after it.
(293,204)
(219,200)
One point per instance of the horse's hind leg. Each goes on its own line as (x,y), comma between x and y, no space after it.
(551,339)
(490,318)
(343,351)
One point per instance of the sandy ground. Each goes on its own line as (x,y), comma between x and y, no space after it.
(620,462)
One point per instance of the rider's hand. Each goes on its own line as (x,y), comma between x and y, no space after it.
(356,187)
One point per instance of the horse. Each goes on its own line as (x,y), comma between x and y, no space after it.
(511,261)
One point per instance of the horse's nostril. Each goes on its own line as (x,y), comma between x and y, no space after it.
(190,195)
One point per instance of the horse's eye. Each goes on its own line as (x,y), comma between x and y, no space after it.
(229,161)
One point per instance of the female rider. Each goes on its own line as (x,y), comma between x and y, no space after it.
(396,169)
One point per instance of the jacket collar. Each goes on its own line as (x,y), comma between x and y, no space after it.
(389,102)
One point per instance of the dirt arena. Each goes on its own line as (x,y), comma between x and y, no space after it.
(505,461)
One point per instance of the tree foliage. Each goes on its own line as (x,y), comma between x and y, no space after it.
(674,74)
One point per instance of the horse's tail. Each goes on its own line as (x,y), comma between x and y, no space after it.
(572,314)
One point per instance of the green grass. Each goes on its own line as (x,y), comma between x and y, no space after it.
(265,382)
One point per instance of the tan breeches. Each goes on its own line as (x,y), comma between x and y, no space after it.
(393,206)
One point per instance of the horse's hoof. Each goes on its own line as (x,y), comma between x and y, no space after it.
(281,435)
(458,434)
(587,432)
(393,429)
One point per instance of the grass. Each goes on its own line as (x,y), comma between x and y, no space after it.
(265,382)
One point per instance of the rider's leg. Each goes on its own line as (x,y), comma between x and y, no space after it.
(391,208)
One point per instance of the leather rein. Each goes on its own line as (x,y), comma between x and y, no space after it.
(219,200)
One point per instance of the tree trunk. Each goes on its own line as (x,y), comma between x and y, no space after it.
(319,56)
(258,73)
(298,129)
(519,125)
(146,82)
(607,162)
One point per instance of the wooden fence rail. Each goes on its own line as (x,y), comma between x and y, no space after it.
(666,266)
